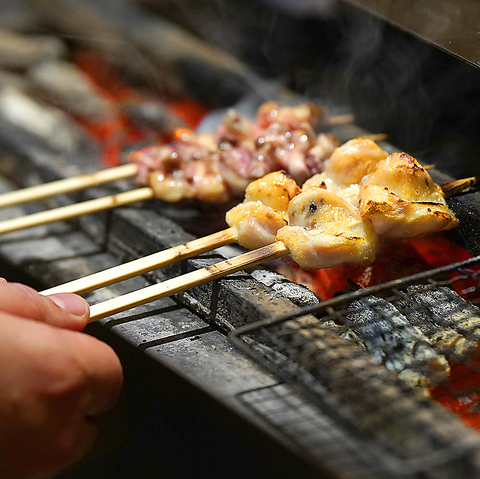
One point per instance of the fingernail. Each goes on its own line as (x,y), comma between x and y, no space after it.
(72,303)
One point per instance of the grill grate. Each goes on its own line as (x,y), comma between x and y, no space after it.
(383,362)
(320,436)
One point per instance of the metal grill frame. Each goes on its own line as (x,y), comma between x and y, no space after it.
(291,374)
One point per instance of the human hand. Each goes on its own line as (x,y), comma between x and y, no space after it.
(54,381)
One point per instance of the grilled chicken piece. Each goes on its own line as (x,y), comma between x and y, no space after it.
(346,167)
(293,117)
(218,167)
(402,200)
(353,160)
(264,211)
(325,230)
(348,193)
(184,170)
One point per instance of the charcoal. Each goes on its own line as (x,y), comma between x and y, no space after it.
(23,51)
(66,86)
(18,16)
(446,340)
(393,341)
(25,123)
(448,309)
(16,80)
(152,115)
(296,293)
(467,210)
(367,395)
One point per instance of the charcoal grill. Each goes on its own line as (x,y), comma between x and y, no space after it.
(296,396)
(339,379)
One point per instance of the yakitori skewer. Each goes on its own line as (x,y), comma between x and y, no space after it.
(68,185)
(187,281)
(259,217)
(290,118)
(274,185)
(77,209)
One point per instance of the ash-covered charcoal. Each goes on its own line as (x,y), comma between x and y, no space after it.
(367,395)
(152,115)
(446,340)
(393,341)
(296,293)
(66,86)
(19,52)
(448,309)
(13,79)
(27,122)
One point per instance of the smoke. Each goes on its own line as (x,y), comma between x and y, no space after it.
(305,8)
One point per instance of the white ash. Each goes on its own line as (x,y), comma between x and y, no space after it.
(49,124)
(65,85)
(18,51)
(296,293)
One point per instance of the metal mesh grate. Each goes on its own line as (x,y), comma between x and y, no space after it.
(320,436)
(383,363)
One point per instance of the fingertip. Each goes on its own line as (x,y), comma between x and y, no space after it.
(73,304)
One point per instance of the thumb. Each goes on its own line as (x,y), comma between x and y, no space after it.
(64,310)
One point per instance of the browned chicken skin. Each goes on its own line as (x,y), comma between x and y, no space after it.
(264,211)
(402,201)
(325,230)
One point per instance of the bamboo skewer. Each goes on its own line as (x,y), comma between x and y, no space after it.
(68,185)
(145,264)
(87,180)
(458,186)
(210,273)
(77,209)
(187,281)
(340,119)
(174,254)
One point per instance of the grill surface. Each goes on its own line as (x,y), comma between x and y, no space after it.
(337,376)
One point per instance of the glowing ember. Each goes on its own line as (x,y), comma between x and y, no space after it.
(462,393)
(119,131)
(395,260)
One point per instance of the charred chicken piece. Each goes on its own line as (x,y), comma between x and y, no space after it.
(264,211)
(325,230)
(402,201)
